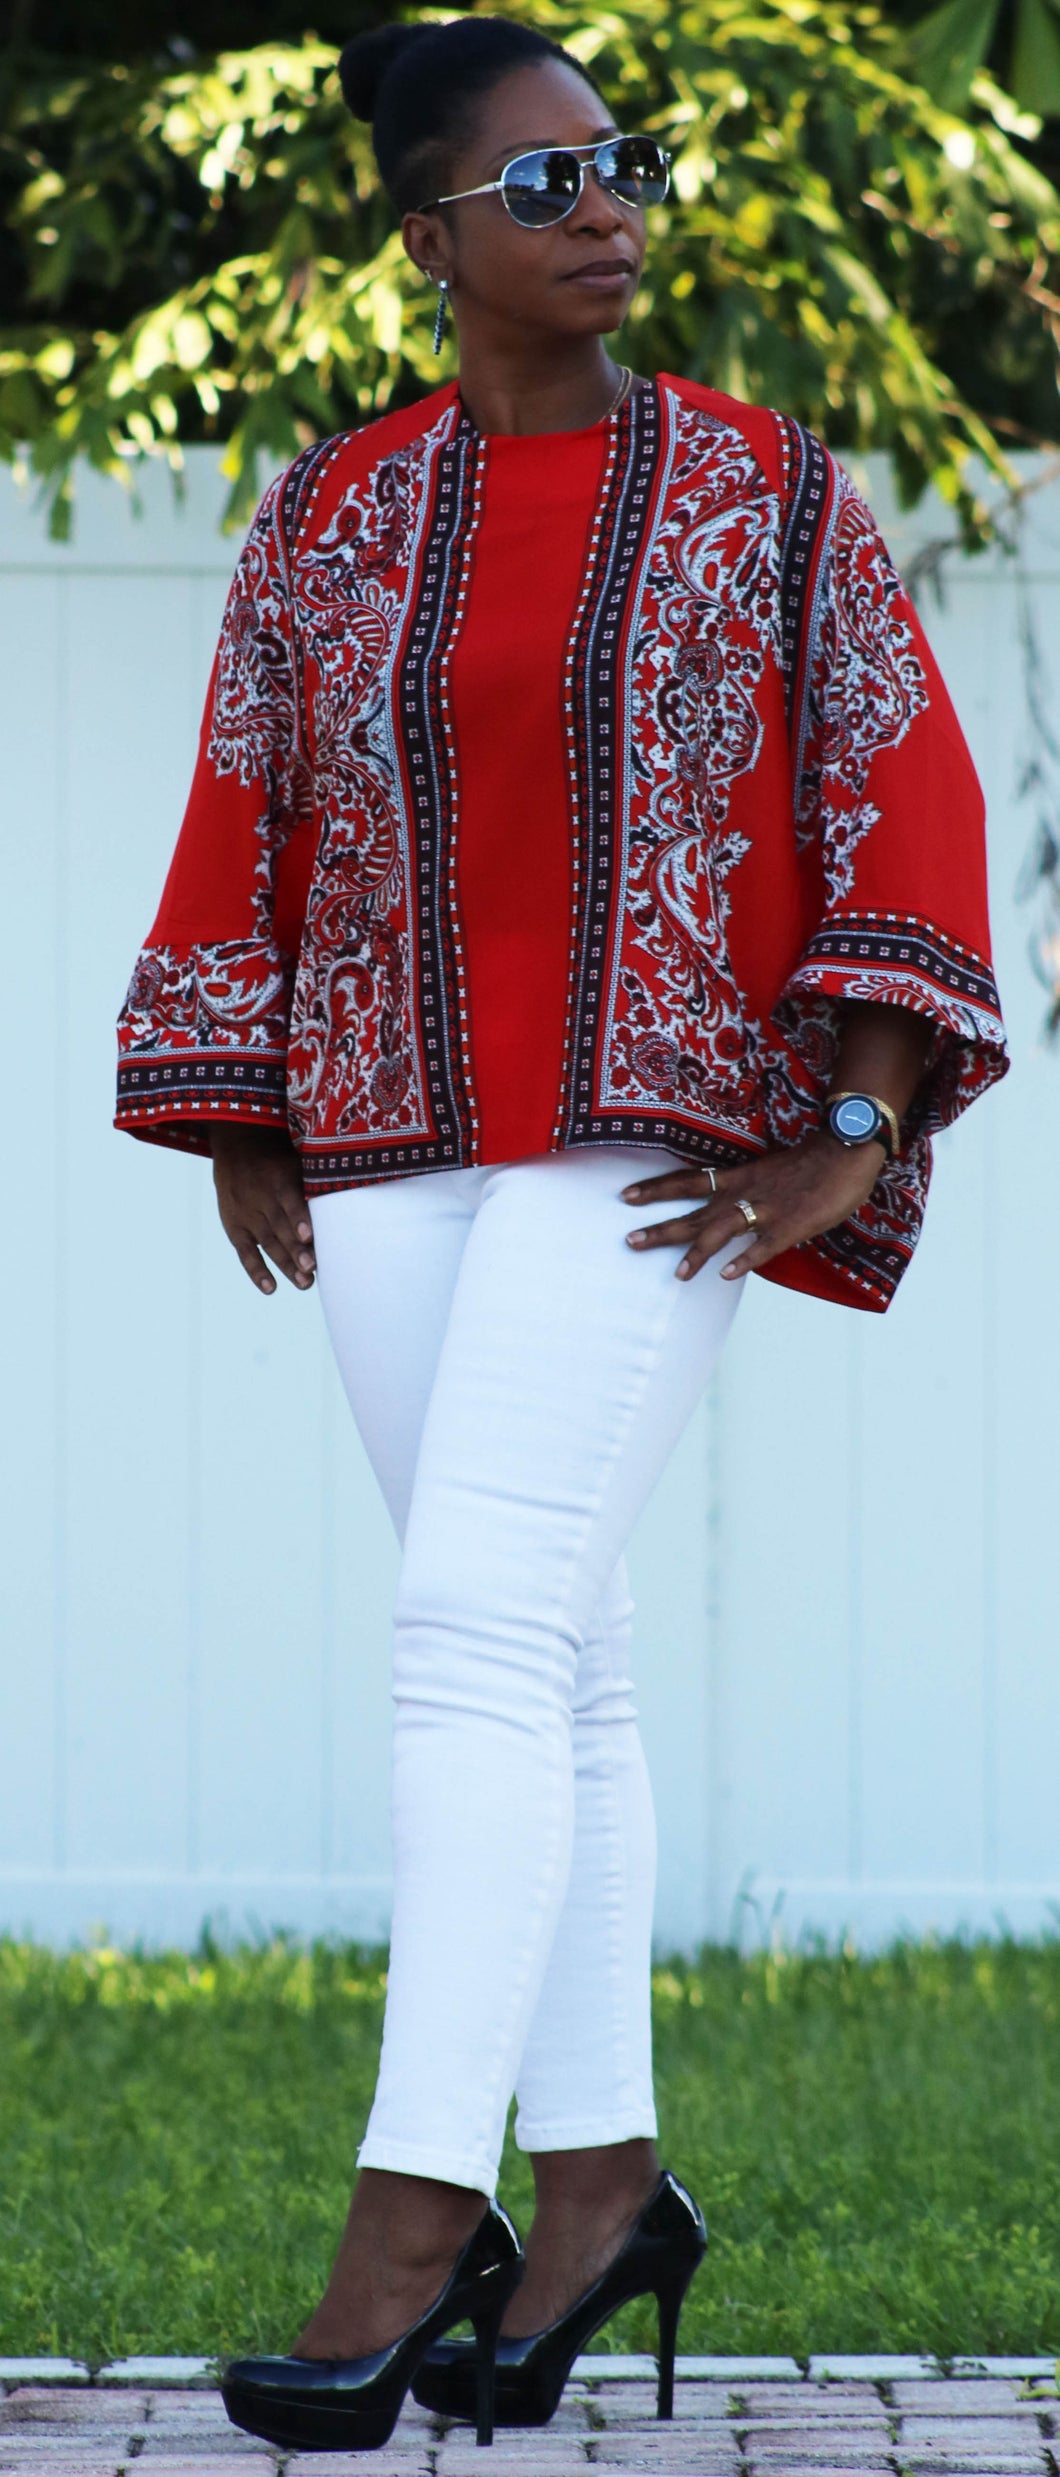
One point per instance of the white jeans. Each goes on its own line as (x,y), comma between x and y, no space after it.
(519,1376)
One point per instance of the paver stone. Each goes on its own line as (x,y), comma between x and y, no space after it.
(222,2464)
(806,2447)
(1016,2369)
(71,2411)
(960,2396)
(602,2368)
(872,2368)
(176,2373)
(700,2460)
(109,2434)
(990,2464)
(514,2447)
(740,2370)
(345,2464)
(978,2434)
(71,2463)
(805,2403)
(713,2455)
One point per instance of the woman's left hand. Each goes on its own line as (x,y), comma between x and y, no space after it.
(797,1191)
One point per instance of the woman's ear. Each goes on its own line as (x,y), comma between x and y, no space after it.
(419,238)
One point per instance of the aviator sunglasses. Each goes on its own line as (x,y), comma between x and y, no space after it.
(542,186)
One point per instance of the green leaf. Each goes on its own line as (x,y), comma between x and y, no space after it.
(192,341)
(1036,55)
(951,43)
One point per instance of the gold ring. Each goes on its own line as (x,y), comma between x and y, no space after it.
(748,1211)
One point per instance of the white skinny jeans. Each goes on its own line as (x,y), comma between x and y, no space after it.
(518,1376)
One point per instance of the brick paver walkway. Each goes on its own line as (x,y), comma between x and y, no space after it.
(892,2418)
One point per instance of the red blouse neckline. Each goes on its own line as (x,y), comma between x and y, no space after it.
(535,438)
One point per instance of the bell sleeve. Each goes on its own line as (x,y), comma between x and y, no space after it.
(202,1031)
(889,821)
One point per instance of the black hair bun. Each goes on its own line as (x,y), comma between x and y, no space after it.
(364,61)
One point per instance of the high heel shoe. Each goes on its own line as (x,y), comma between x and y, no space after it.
(665,2245)
(352,2404)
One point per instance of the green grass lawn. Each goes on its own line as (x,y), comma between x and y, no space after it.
(875,2142)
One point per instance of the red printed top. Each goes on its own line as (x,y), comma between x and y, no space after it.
(554,791)
(514,849)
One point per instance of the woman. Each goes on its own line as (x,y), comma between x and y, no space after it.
(580,822)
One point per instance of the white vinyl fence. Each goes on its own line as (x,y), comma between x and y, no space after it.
(847,1581)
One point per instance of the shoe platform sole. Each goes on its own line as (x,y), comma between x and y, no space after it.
(452,2394)
(296,2426)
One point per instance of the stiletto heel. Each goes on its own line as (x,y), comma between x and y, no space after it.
(330,2404)
(487,2331)
(670,2301)
(662,2250)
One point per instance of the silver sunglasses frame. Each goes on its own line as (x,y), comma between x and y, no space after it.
(590,148)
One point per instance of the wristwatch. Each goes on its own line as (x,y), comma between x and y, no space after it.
(858,1118)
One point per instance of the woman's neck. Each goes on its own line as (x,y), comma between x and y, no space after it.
(537,392)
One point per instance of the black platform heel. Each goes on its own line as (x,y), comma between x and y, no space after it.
(352,2404)
(659,2256)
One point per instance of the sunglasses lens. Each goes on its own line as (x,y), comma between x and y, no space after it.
(542,187)
(636,169)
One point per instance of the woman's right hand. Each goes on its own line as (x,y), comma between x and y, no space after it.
(261,1200)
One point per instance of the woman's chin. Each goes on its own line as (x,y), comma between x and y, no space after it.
(589,315)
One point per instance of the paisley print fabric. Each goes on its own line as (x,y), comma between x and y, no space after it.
(707,632)
(226,1008)
(771,809)
(867,686)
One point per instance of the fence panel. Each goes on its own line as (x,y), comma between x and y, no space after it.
(845,1581)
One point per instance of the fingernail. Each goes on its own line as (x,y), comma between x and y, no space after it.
(630,1194)
(635,1238)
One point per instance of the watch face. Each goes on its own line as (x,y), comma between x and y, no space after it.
(855,1119)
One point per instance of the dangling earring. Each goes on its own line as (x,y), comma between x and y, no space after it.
(443,296)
